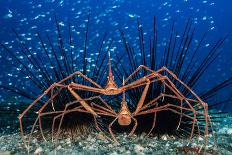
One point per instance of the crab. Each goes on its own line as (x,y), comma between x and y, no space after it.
(111,88)
(124,117)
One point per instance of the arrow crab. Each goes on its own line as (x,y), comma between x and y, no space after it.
(185,108)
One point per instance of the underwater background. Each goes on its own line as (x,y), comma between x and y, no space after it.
(28,18)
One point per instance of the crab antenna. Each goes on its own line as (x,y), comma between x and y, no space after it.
(110,69)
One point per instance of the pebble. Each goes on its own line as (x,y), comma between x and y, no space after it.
(91,144)
(4,152)
(200,139)
(138,148)
(164,137)
(59,147)
(68,141)
(101,137)
(114,153)
(223,130)
(229,131)
(167,145)
(178,143)
(110,145)
(34,140)
(38,150)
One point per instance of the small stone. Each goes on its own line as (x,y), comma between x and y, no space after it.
(164,137)
(151,144)
(59,147)
(34,140)
(61,142)
(143,135)
(4,152)
(68,141)
(89,139)
(200,139)
(172,137)
(91,147)
(122,150)
(229,131)
(114,153)
(177,143)
(93,140)
(110,145)
(138,148)
(194,144)
(222,130)
(101,137)
(38,150)
(209,146)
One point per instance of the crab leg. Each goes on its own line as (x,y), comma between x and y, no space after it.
(83,76)
(100,110)
(137,70)
(135,126)
(78,109)
(142,98)
(82,102)
(205,106)
(37,119)
(154,121)
(157,74)
(35,102)
(168,107)
(110,130)
(62,116)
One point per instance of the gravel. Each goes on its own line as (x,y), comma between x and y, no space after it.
(95,144)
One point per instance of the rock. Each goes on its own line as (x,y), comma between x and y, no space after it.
(138,148)
(167,145)
(114,153)
(34,141)
(222,130)
(200,138)
(93,140)
(122,150)
(152,144)
(4,152)
(172,137)
(62,142)
(110,145)
(177,143)
(143,135)
(91,147)
(164,137)
(59,147)
(39,150)
(229,131)
(68,141)
(89,138)
(101,137)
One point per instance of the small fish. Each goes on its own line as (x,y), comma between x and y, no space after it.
(9,14)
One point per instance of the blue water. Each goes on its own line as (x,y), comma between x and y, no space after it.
(30,17)
(214,17)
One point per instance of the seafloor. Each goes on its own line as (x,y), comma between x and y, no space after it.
(94,144)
